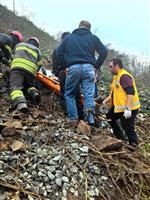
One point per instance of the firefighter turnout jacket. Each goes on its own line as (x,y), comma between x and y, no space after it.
(119,96)
(26,57)
(5,46)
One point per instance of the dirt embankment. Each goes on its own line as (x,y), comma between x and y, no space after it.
(42,157)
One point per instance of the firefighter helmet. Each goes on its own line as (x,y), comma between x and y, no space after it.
(35,39)
(18,34)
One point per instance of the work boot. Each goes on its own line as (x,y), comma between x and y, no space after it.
(22,107)
(36,98)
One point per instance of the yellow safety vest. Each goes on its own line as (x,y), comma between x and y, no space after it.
(119,95)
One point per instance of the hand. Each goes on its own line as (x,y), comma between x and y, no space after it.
(5,61)
(104,104)
(127,113)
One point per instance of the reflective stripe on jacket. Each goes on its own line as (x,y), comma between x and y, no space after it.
(27,57)
(120,96)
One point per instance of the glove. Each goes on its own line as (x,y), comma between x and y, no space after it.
(103,105)
(127,113)
(1,75)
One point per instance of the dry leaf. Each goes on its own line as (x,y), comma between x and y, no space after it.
(4,145)
(9,131)
(27,160)
(13,123)
(18,146)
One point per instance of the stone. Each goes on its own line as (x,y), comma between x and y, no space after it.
(41,174)
(30,198)
(64,191)
(3,196)
(63,198)
(59,173)
(104,178)
(91,193)
(51,168)
(106,143)
(84,128)
(1,165)
(52,162)
(58,181)
(9,177)
(65,179)
(76,193)
(84,149)
(74,169)
(50,175)
(45,193)
(72,190)
(57,158)
(74,145)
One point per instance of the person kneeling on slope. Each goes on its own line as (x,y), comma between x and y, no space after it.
(24,66)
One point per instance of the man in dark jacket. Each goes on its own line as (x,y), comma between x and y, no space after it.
(78,50)
(59,69)
(24,66)
(7,43)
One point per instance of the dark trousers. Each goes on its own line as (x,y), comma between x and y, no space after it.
(4,82)
(127,124)
(21,80)
(62,79)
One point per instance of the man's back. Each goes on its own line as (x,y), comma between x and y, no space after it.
(80,46)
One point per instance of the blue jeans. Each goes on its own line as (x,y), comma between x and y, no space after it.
(82,75)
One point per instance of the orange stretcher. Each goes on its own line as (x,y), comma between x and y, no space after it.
(50,82)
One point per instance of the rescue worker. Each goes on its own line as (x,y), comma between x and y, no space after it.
(78,50)
(24,66)
(56,66)
(124,102)
(60,71)
(7,43)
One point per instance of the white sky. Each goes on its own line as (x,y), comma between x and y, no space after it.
(123,23)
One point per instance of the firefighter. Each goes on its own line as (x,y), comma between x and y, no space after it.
(7,43)
(60,71)
(78,51)
(25,64)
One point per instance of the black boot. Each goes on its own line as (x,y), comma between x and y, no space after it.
(19,104)
(22,107)
(34,96)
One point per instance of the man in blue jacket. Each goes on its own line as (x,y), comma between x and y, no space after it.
(60,72)
(77,50)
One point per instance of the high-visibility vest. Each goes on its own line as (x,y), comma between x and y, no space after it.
(27,57)
(119,95)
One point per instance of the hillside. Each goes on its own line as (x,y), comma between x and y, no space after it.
(9,22)
(43,157)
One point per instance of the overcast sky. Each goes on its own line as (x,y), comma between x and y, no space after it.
(123,23)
